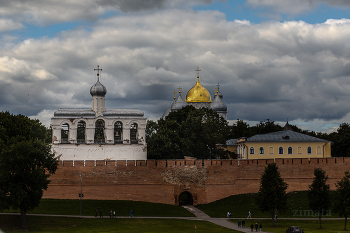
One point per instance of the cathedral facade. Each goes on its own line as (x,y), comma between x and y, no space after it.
(98,133)
(199,97)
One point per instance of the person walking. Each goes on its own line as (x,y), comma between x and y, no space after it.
(131,213)
(243,223)
(260,226)
(249,214)
(239,223)
(252,227)
(256,226)
(110,214)
(101,215)
(113,213)
(96,213)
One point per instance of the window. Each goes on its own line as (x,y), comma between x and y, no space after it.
(309,151)
(118,132)
(251,150)
(280,150)
(271,150)
(261,150)
(133,133)
(290,150)
(64,133)
(299,150)
(318,150)
(99,132)
(81,132)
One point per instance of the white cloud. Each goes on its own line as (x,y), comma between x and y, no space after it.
(9,25)
(274,8)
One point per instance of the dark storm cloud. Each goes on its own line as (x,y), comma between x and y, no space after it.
(271,70)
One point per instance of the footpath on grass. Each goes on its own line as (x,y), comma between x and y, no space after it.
(200,215)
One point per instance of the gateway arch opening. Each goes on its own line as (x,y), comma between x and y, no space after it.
(185,198)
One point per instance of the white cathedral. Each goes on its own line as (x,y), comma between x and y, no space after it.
(98,133)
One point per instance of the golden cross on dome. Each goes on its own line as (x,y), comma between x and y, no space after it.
(216,91)
(179,90)
(197,71)
(174,94)
(217,86)
(98,71)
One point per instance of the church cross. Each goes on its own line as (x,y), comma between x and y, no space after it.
(197,71)
(180,90)
(98,71)
(218,85)
(174,94)
(216,91)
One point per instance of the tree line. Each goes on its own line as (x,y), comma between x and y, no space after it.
(202,133)
(272,193)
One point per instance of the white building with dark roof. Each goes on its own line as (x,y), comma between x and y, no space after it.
(98,133)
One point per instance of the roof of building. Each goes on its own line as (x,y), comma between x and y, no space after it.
(89,113)
(231,142)
(284,136)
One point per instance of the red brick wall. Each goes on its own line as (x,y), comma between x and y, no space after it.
(163,181)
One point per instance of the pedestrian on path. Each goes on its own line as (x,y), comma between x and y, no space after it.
(101,215)
(131,213)
(256,226)
(239,223)
(260,226)
(243,223)
(96,213)
(110,214)
(252,226)
(249,214)
(113,213)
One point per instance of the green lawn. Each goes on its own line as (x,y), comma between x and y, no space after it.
(122,208)
(98,225)
(328,226)
(239,205)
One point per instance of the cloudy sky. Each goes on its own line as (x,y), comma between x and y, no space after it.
(274,59)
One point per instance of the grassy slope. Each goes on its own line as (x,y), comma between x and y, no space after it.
(122,208)
(328,226)
(67,225)
(239,205)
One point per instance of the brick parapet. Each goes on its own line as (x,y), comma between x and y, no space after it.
(207,180)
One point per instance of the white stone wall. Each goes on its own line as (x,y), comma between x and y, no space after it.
(92,151)
(100,152)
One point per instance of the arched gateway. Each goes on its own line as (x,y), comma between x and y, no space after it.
(185,198)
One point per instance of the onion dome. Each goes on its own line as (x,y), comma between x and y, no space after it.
(218,105)
(98,89)
(219,94)
(198,93)
(179,103)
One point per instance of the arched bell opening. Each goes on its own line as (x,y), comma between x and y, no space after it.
(185,198)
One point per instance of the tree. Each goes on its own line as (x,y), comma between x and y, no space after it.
(26,162)
(342,197)
(319,195)
(272,193)
(188,132)
(341,139)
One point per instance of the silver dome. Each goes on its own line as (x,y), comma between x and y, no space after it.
(98,89)
(178,104)
(218,105)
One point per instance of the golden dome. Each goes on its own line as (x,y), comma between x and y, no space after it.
(198,93)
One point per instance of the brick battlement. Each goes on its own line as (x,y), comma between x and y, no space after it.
(199,162)
(164,180)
